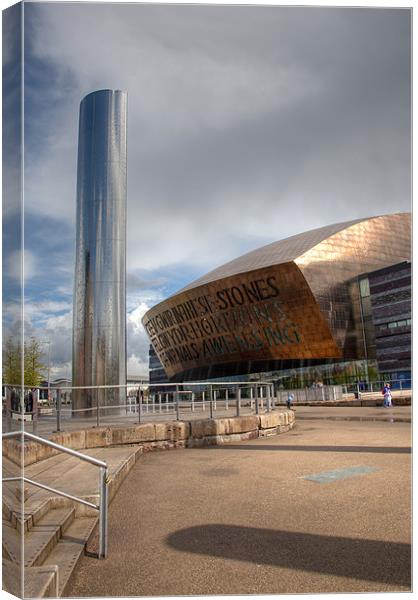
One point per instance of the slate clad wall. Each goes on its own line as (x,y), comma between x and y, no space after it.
(390,290)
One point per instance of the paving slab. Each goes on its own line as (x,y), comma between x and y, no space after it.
(242,518)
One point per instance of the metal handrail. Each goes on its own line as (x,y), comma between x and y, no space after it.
(103,481)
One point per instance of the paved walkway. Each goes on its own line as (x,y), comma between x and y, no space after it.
(48,424)
(243,518)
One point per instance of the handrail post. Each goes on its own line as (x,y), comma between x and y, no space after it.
(177,403)
(238,400)
(103,513)
(58,410)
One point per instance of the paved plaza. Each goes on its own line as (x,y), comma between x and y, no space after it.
(322,508)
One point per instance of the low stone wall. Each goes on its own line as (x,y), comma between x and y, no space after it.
(173,434)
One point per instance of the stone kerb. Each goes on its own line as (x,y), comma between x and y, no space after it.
(171,434)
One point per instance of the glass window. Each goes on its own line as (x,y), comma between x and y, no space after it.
(364,288)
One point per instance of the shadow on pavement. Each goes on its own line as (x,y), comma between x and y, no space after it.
(287,448)
(368,560)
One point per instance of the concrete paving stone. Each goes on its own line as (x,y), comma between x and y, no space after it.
(239,518)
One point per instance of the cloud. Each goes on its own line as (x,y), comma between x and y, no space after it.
(16,267)
(246,125)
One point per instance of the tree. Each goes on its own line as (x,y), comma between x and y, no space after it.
(12,362)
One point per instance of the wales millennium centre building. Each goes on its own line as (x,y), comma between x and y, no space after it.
(304,304)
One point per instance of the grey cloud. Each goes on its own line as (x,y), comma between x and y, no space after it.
(246,124)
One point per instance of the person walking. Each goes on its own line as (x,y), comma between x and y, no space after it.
(290,398)
(387,403)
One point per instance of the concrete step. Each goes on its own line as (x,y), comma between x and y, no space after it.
(39,582)
(56,529)
(70,548)
(39,540)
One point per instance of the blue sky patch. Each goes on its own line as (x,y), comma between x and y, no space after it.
(330,476)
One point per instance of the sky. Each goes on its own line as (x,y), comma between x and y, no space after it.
(245,125)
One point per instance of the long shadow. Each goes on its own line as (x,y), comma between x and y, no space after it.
(368,560)
(288,448)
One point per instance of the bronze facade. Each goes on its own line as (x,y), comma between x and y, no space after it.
(288,301)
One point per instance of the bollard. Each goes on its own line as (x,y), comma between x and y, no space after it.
(58,407)
(238,400)
(211,403)
(177,403)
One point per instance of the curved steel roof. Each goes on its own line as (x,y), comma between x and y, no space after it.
(279,252)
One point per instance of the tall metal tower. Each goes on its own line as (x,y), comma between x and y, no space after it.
(99,309)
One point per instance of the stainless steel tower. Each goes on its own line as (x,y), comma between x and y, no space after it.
(99,319)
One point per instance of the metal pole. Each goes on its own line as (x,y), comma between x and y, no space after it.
(177,403)
(203,402)
(192,401)
(8,409)
(58,410)
(166,402)
(140,408)
(256,401)
(251,397)
(268,399)
(238,397)
(35,396)
(97,408)
(159,401)
(214,398)
(211,403)
(226,399)
(103,513)
(49,371)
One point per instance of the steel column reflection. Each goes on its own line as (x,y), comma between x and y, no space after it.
(99,319)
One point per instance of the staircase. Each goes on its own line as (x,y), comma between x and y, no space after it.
(53,531)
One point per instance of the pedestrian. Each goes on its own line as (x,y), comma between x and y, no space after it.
(387,403)
(290,398)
